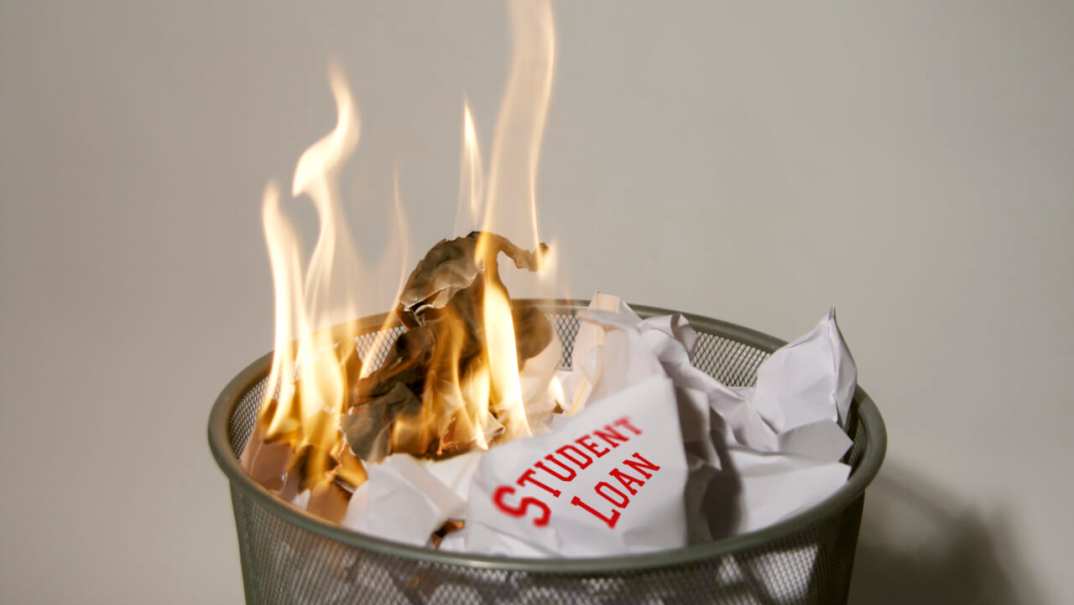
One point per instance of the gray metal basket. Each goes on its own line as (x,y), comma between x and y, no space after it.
(290,557)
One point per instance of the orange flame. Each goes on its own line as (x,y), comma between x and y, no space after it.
(383,337)
(516,146)
(513,176)
(307,382)
(471,176)
(471,397)
(502,358)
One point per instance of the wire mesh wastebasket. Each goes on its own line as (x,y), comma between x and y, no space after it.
(290,557)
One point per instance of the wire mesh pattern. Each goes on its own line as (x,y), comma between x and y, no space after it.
(731,362)
(566,326)
(286,563)
(373,347)
(243,418)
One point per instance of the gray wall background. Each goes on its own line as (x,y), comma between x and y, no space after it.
(910,162)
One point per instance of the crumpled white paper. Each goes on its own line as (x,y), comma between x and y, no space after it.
(671,341)
(764,452)
(403,500)
(697,460)
(455,473)
(775,486)
(585,356)
(492,543)
(536,374)
(783,436)
(803,391)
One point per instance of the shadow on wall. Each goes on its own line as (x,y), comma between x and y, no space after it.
(917,547)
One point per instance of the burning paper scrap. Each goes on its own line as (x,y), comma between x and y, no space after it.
(452,381)
(266,461)
(609,482)
(368,428)
(453,266)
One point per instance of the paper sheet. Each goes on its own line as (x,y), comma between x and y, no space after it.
(808,380)
(803,391)
(775,486)
(671,341)
(403,501)
(609,482)
(456,473)
(493,543)
(535,376)
(601,359)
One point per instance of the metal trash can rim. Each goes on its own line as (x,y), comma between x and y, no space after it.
(873,444)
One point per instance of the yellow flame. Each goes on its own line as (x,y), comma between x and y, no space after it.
(401,244)
(472,397)
(452,403)
(511,181)
(290,309)
(471,176)
(513,176)
(475,390)
(331,290)
(330,283)
(558,393)
(520,126)
(502,360)
(308,377)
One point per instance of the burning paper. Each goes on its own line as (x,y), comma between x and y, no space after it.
(634,449)
(463,432)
